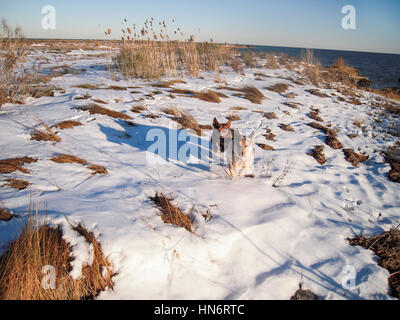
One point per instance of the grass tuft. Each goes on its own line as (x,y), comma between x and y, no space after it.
(171,214)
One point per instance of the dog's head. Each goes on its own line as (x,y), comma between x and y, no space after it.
(223,129)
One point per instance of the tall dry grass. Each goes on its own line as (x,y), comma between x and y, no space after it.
(150,53)
(312,66)
(15,82)
(22,273)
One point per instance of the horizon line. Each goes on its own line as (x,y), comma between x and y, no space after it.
(234,44)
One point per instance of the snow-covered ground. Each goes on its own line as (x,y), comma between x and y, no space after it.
(262,240)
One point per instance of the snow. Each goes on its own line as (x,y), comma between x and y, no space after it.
(262,241)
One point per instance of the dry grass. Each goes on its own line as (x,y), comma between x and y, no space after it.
(69,124)
(11,165)
(40,245)
(271,61)
(93,108)
(269,135)
(99,101)
(84,97)
(150,53)
(293,105)
(17,184)
(354,158)
(238,108)
(167,84)
(286,127)
(15,82)
(387,247)
(187,121)
(173,111)
(233,117)
(66,158)
(317,93)
(138,109)
(314,114)
(209,96)
(182,91)
(318,154)
(5,215)
(324,129)
(266,147)
(87,86)
(392,156)
(171,214)
(116,88)
(270,115)
(279,88)
(248,92)
(333,142)
(44,135)
(248,58)
(253,94)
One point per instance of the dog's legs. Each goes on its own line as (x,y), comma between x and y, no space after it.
(232,171)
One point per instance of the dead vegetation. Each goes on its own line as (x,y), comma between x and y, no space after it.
(167,84)
(266,147)
(286,127)
(293,105)
(324,129)
(44,135)
(93,108)
(187,121)
(5,215)
(16,83)
(138,109)
(170,213)
(279,88)
(270,115)
(209,96)
(66,158)
(314,114)
(317,93)
(304,295)
(318,154)
(333,142)
(392,156)
(248,92)
(39,245)
(269,135)
(17,184)
(87,86)
(233,117)
(69,124)
(387,247)
(11,165)
(354,158)
(271,61)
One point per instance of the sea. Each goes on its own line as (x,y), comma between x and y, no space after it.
(382,69)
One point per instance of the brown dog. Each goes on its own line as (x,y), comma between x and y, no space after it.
(237,149)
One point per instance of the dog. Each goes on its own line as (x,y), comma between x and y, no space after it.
(236,148)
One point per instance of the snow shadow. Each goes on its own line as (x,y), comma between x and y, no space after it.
(164,145)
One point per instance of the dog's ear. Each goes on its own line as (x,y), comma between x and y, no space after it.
(215,123)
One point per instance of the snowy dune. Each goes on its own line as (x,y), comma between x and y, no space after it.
(287,225)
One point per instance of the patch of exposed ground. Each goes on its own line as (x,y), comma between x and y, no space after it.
(318,154)
(11,165)
(93,108)
(387,247)
(354,158)
(170,213)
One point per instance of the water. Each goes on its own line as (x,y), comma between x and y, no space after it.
(381,68)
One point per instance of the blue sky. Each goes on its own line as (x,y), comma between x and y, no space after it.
(294,23)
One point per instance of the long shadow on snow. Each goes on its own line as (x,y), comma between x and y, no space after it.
(193,152)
